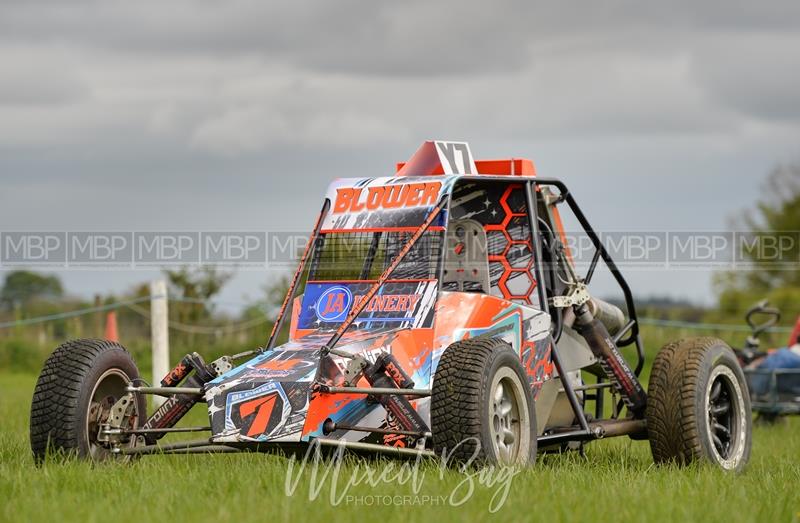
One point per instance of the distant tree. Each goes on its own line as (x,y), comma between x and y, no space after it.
(275,293)
(772,250)
(270,304)
(22,287)
(197,287)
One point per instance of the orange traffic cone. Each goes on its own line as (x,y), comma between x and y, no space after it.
(111,326)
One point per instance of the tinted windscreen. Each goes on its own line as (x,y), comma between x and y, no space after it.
(365,255)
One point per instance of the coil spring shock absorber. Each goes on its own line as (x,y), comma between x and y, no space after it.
(386,372)
(176,406)
(611,361)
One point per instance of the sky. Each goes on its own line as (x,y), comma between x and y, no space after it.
(201,115)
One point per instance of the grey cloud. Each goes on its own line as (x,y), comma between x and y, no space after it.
(755,74)
(186,115)
(21,89)
(395,39)
(32,77)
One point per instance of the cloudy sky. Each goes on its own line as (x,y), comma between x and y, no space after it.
(201,115)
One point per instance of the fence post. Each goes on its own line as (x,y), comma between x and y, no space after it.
(98,317)
(159,332)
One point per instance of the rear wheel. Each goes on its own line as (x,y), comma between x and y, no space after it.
(482,407)
(698,405)
(79,384)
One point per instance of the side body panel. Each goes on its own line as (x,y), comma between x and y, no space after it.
(463,315)
(270,397)
(458,316)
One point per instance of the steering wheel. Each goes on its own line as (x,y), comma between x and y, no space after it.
(770,316)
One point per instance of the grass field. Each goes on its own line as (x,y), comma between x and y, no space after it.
(615,481)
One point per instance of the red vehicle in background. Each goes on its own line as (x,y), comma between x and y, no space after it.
(773,376)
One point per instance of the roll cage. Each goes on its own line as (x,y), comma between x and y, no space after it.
(549,258)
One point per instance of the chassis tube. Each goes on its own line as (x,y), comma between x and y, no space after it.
(615,272)
(533,217)
(573,399)
(166,391)
(374,390)
(276,328)
(374,447)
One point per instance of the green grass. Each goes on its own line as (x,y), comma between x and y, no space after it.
(616,481)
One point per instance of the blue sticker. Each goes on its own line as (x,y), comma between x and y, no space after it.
(333,304)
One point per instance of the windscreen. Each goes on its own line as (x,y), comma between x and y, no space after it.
(369,222)
(345,265)
(359,255)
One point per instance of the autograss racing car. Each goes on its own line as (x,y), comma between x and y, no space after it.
(437,311)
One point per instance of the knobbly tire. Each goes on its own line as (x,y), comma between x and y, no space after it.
(482,408)
(698,406)
(79,383)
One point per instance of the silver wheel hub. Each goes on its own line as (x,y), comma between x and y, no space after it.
(508,419)
(108,389)
(726,423)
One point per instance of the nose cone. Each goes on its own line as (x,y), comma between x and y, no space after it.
(269,398)
(264,399)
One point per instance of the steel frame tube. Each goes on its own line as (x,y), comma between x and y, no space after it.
(373,447)
(375,390)
(166,391)
(357,428)
(157,431)
(207,449)
(153,449)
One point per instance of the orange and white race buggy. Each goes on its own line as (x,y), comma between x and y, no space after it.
(436,311)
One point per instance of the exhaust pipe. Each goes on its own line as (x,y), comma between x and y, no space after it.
(609,315)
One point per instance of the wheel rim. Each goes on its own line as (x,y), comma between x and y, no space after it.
(107,390)
(726,417)
(508,416)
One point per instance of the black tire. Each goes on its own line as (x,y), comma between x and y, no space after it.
(76,375)
(463,425)
(697,395)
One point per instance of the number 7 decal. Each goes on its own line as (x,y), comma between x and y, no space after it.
(263,408)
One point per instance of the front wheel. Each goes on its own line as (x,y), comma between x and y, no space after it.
(79,384)
(482,408)
(698,405)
